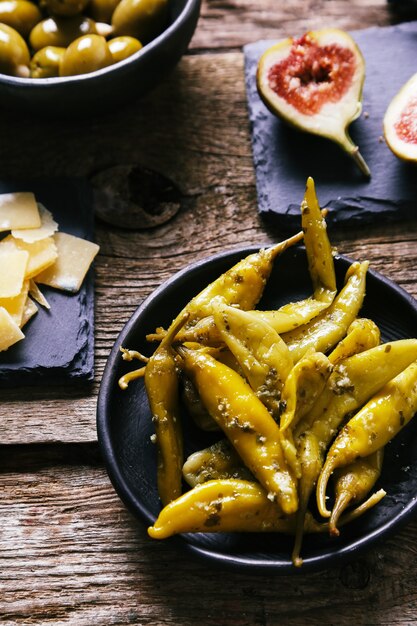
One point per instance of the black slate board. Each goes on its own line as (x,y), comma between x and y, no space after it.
(59,343)
(285,157)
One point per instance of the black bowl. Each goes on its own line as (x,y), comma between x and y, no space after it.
(112,86)
(124,421)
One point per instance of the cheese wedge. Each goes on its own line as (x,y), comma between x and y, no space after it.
(47,228)
(10,332)
(18,210)
(13,265)
(75,256)
(15,306)
(42,253)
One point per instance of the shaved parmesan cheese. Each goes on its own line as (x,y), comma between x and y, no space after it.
(10,332)
(75,256)
(29,311)
(47,228)
(42,253)
(15,306)
(13,268)
(18,210)
(33,251)
(37,295)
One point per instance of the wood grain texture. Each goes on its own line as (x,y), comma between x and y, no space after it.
(232,24)
(72,554)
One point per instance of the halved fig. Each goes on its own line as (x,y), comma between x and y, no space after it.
(400,122)
(315,84)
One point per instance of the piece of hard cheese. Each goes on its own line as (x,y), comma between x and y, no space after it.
(16,306)
(12,270)
(47,228)
(18,210)
(10,332)
(75,256)
(42,253)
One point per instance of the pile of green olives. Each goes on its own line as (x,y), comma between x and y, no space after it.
(50,38)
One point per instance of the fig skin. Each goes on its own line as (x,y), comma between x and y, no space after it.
(397,109)
(332,117)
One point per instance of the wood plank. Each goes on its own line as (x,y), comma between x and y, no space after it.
(72,554)
(234,23)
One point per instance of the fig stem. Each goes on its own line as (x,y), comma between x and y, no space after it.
(360,162)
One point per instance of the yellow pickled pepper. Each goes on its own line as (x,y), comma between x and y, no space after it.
(386,413)
(245,421)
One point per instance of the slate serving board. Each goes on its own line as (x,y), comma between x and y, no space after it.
(58,346)
(284,157)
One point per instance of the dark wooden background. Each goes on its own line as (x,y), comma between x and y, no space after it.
(70,553)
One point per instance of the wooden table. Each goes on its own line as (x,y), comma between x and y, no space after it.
(70,552)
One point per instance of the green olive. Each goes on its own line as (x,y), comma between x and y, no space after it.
(55,31)
(123,47)
(45,62)
(84,55)
(64,8)
(14,53)
(102,10)
(143,19)
(20,15)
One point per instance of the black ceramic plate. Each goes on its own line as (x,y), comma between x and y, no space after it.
(124,421)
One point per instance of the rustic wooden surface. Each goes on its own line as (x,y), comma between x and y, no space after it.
(70,553)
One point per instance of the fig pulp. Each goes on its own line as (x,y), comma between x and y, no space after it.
(400,122)
(315,84)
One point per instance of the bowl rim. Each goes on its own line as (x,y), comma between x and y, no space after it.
(185,14)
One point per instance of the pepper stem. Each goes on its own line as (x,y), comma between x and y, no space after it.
(362,508)
(322,488)
(342,502)
(279,248)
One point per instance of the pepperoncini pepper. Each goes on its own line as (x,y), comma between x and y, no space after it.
(241,285)
(261,353)
(362,334)
(320,265)
(245,421)
(353,483)
(161,384)
(219,460)
(225,505)
(318,248)
(229,505)
(302,387)
(372,427)
(325,330)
